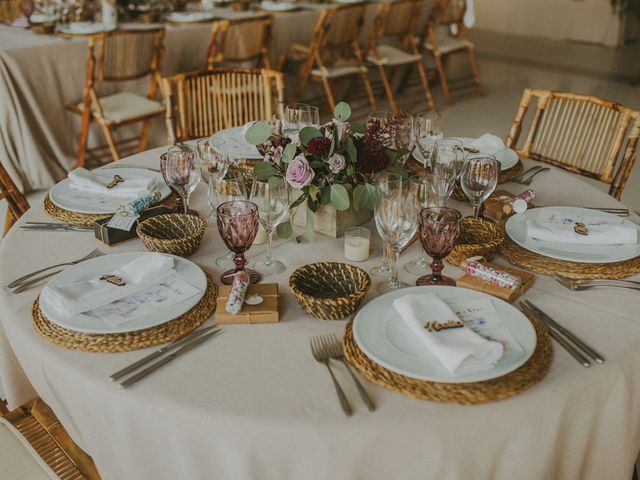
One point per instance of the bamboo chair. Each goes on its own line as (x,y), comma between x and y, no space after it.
(118,56)
(580,133)
(439,41)
(198,104)
(396,19)
(17,203)
(9,10)
(333,53)
(240,40)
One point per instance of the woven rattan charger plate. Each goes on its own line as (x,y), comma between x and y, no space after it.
(122,342)
(87,219)
(473,393)
(548,266)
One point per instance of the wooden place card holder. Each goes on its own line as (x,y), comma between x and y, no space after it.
(266,312)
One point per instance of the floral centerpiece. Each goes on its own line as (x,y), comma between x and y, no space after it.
(330,165)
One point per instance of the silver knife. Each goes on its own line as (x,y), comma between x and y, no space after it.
(582,360)
(50,228)
(154,366)
(170,346)
(571,336)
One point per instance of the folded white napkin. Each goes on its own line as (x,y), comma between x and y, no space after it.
(276,6)
(460,350)
(605,234)
(488,143)
(86,295)
(84,180)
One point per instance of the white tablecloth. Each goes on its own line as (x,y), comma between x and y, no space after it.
(253,404)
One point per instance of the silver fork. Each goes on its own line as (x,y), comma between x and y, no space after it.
(321,355)
(578,285)
(528,171)
(18,281)
(336,352)
(528,180)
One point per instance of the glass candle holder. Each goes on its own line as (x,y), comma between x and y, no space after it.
(356,244)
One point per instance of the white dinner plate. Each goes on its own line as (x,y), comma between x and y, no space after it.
(516,228)
(232,142)
(383,337)
(78,201)
(188,271)
(506,156)
(189,17)
(84,28)
(278,6)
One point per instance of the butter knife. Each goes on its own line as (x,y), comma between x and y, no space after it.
(170,346)
(169,358)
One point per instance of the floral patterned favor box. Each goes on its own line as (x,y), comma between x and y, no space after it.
(475,283)
(265,312)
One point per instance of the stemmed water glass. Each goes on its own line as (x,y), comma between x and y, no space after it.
(427,129)
(420,187)
(300,115)
(181,172)
(385,182)
(214,162)
(223,191)
(397,222)
(439,230)
(238,225)
(447,161)
(402,136)
(380,121)
(272,199)
(479,179)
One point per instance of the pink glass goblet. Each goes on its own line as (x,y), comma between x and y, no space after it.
(238,222)
(439,230)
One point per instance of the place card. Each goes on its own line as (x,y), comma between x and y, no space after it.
(114,235)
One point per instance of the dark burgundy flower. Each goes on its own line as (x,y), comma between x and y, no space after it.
(319,146)
(371,154)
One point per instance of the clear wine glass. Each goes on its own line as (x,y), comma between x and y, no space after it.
(439,230)
(479,179)
(420,187)
(385,182)
(226,190)
(381,121)
(397,222)
(428,128)
(300,115)
(181,172)
(214,162)
(238,222)
(446,162)
(402,136)
(272,199)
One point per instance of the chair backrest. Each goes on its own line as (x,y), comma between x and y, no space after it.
(17,203)
(394,19)
(580,133)
(447,12)
(240,40)
(9,10)
(198,104)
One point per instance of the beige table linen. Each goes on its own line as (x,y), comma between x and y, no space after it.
(253,404)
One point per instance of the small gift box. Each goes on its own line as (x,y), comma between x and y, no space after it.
(266,312)
(476,283)
(497,206)
(114,236)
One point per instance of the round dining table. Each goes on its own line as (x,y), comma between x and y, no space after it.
(253,404)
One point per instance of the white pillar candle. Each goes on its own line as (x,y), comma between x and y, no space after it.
(109,14)
(356,244)
(207,4)
(261,236)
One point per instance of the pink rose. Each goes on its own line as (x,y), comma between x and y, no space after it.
(299,172)
(337,163)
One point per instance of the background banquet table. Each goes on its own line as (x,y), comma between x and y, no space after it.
(252,403)
(41,74)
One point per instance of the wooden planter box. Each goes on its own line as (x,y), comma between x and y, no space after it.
(331,222)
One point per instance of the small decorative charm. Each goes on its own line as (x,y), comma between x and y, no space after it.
(136,207)
(581,229)
(116,180)
(431,325)
(113,279)
(254,300)
(239,288)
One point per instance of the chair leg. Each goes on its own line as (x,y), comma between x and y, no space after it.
(367,86)
(110,142)
(387,89)
(443,77)
(425,86)
(83,137)
(144,135)
(329,93)
(474,69)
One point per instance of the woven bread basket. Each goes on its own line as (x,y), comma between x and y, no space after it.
(174,233)
(329,290)
(477,237)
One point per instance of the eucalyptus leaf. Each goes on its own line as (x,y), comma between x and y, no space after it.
(284,230)
(307,133)
(311,218)
(325,197)
(264,170)
(352,153)
(357,128)
(399,169)
(313,192)
(258,133)
(339,197)
(288,153)
(365,196)
(342,111)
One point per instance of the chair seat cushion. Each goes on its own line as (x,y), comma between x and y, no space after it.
(18,458)
(122,106)
(339,69)
(448,44)
(392,56)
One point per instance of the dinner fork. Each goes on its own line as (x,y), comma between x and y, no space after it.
(90,255)
(522,181)
(578,285)
(321,355)
(528,171)
(336,351)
